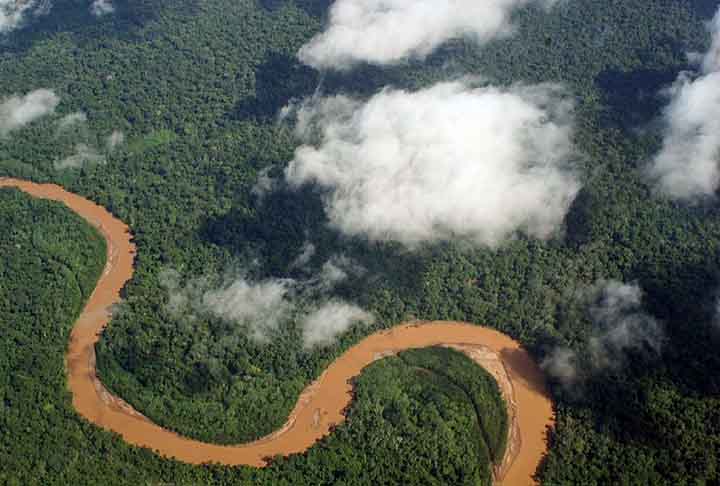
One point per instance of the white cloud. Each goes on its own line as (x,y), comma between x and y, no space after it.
(562,364)
(336,270)
(687,165)
(332,273)
(622,325)
(13,13)
(306,253)
(264,184)
(102,7)
(72,119)
(387,31)
(326,323)
(115,139)
(450,161)
(619,326)
(17,111)
(263,306)
(84,154)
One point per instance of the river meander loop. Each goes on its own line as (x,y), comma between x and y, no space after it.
(320,406)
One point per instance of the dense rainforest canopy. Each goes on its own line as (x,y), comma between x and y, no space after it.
(426,432)
(195,88)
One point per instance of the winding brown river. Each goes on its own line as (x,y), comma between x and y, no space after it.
(321,405)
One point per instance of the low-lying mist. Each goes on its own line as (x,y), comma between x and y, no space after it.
(619,326)
(261,307)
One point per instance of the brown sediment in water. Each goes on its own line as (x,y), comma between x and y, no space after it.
(321,405)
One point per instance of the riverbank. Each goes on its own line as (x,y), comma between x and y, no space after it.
(320,407)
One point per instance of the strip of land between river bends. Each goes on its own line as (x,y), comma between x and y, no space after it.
(321,405)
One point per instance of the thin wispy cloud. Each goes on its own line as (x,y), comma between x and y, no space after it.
(71,120)
(18,111)
(101,8)
(619,326)
(15,13)
(114,140)
(325,323)
(83,154)
(260,308)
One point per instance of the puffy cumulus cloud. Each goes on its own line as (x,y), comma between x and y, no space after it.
(386,31)
(619,326)
(17,111)
(323,325)
(13,13)
(450,161)
(262,307)
(687,166)
(84,154)
(102,7)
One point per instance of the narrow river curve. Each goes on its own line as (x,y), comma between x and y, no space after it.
(320,406)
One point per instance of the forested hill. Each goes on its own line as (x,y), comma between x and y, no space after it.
(195,89)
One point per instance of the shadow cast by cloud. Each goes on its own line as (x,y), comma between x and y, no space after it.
(633,99)
(684,296)
(75,18)
(274,233)
(704,8)
(278,80)
(524,369)
(314,8)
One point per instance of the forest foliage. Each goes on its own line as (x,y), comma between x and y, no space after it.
(423,426)
(197,99)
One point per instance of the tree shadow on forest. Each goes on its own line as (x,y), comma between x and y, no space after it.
(633,99)
(285,220)
(126,22)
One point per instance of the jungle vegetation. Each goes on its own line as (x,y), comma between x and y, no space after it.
(197,99)
(414,408)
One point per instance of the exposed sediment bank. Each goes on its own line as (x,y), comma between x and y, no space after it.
(321,404)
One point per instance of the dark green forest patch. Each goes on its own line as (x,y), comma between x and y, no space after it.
(419,427)
(190,204)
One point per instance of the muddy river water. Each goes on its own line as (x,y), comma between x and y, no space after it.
(321,405)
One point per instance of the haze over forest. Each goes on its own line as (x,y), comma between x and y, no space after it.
(299,174)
